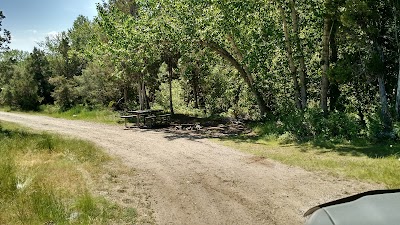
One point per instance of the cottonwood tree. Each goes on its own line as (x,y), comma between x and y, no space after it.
(129,42)
(292,42)
(229,29)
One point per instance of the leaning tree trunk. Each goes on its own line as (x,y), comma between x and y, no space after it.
(242,72)
(292,66)
(325,65)
(303,69)
(250,80)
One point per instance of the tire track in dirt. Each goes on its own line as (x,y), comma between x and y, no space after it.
(194,181)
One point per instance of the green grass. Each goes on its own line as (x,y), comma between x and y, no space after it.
(81,113)
(41,180)
(377,163)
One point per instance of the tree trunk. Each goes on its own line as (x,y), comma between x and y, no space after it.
(146,99)
(387,122)
(125,96)
(303,69)
(242,72)
(139,90)
(170,74)
(334,91)
(398,92)
(292,66)
(325,64)
(253,86)
(398,53)
(196,95)
(384,105)
(196,86)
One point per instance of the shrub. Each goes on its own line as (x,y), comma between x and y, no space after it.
(21,93)
(312,124)
(64,94)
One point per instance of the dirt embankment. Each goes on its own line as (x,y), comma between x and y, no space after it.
(181,179)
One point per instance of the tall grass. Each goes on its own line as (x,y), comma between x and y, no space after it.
(40,181)
(103,115)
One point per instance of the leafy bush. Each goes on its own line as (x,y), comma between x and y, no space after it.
(21,93)
(312,124)
(377,131)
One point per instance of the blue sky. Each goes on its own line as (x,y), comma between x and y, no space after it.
(30,21)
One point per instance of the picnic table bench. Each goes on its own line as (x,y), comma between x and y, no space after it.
(126,117)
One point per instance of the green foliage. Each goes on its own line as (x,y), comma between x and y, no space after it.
(39,67)
(19,84)
(97,86)
(64,93)
(313,125)
(23,91)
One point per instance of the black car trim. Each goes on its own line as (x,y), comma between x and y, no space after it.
(350,199)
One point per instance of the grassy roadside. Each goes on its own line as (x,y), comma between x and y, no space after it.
(81,113)
(378,163)
(43,180)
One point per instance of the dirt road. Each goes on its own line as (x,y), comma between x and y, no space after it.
(195,181)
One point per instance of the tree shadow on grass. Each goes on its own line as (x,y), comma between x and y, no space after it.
(356,148)
(360,148)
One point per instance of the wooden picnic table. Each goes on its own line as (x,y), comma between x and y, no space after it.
(144,113)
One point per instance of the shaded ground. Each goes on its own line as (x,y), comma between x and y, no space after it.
(182,178)
(205,127)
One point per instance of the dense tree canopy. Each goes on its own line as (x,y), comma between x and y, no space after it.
(317,66)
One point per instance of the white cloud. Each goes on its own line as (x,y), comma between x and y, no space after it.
(32,31)
(53,34)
